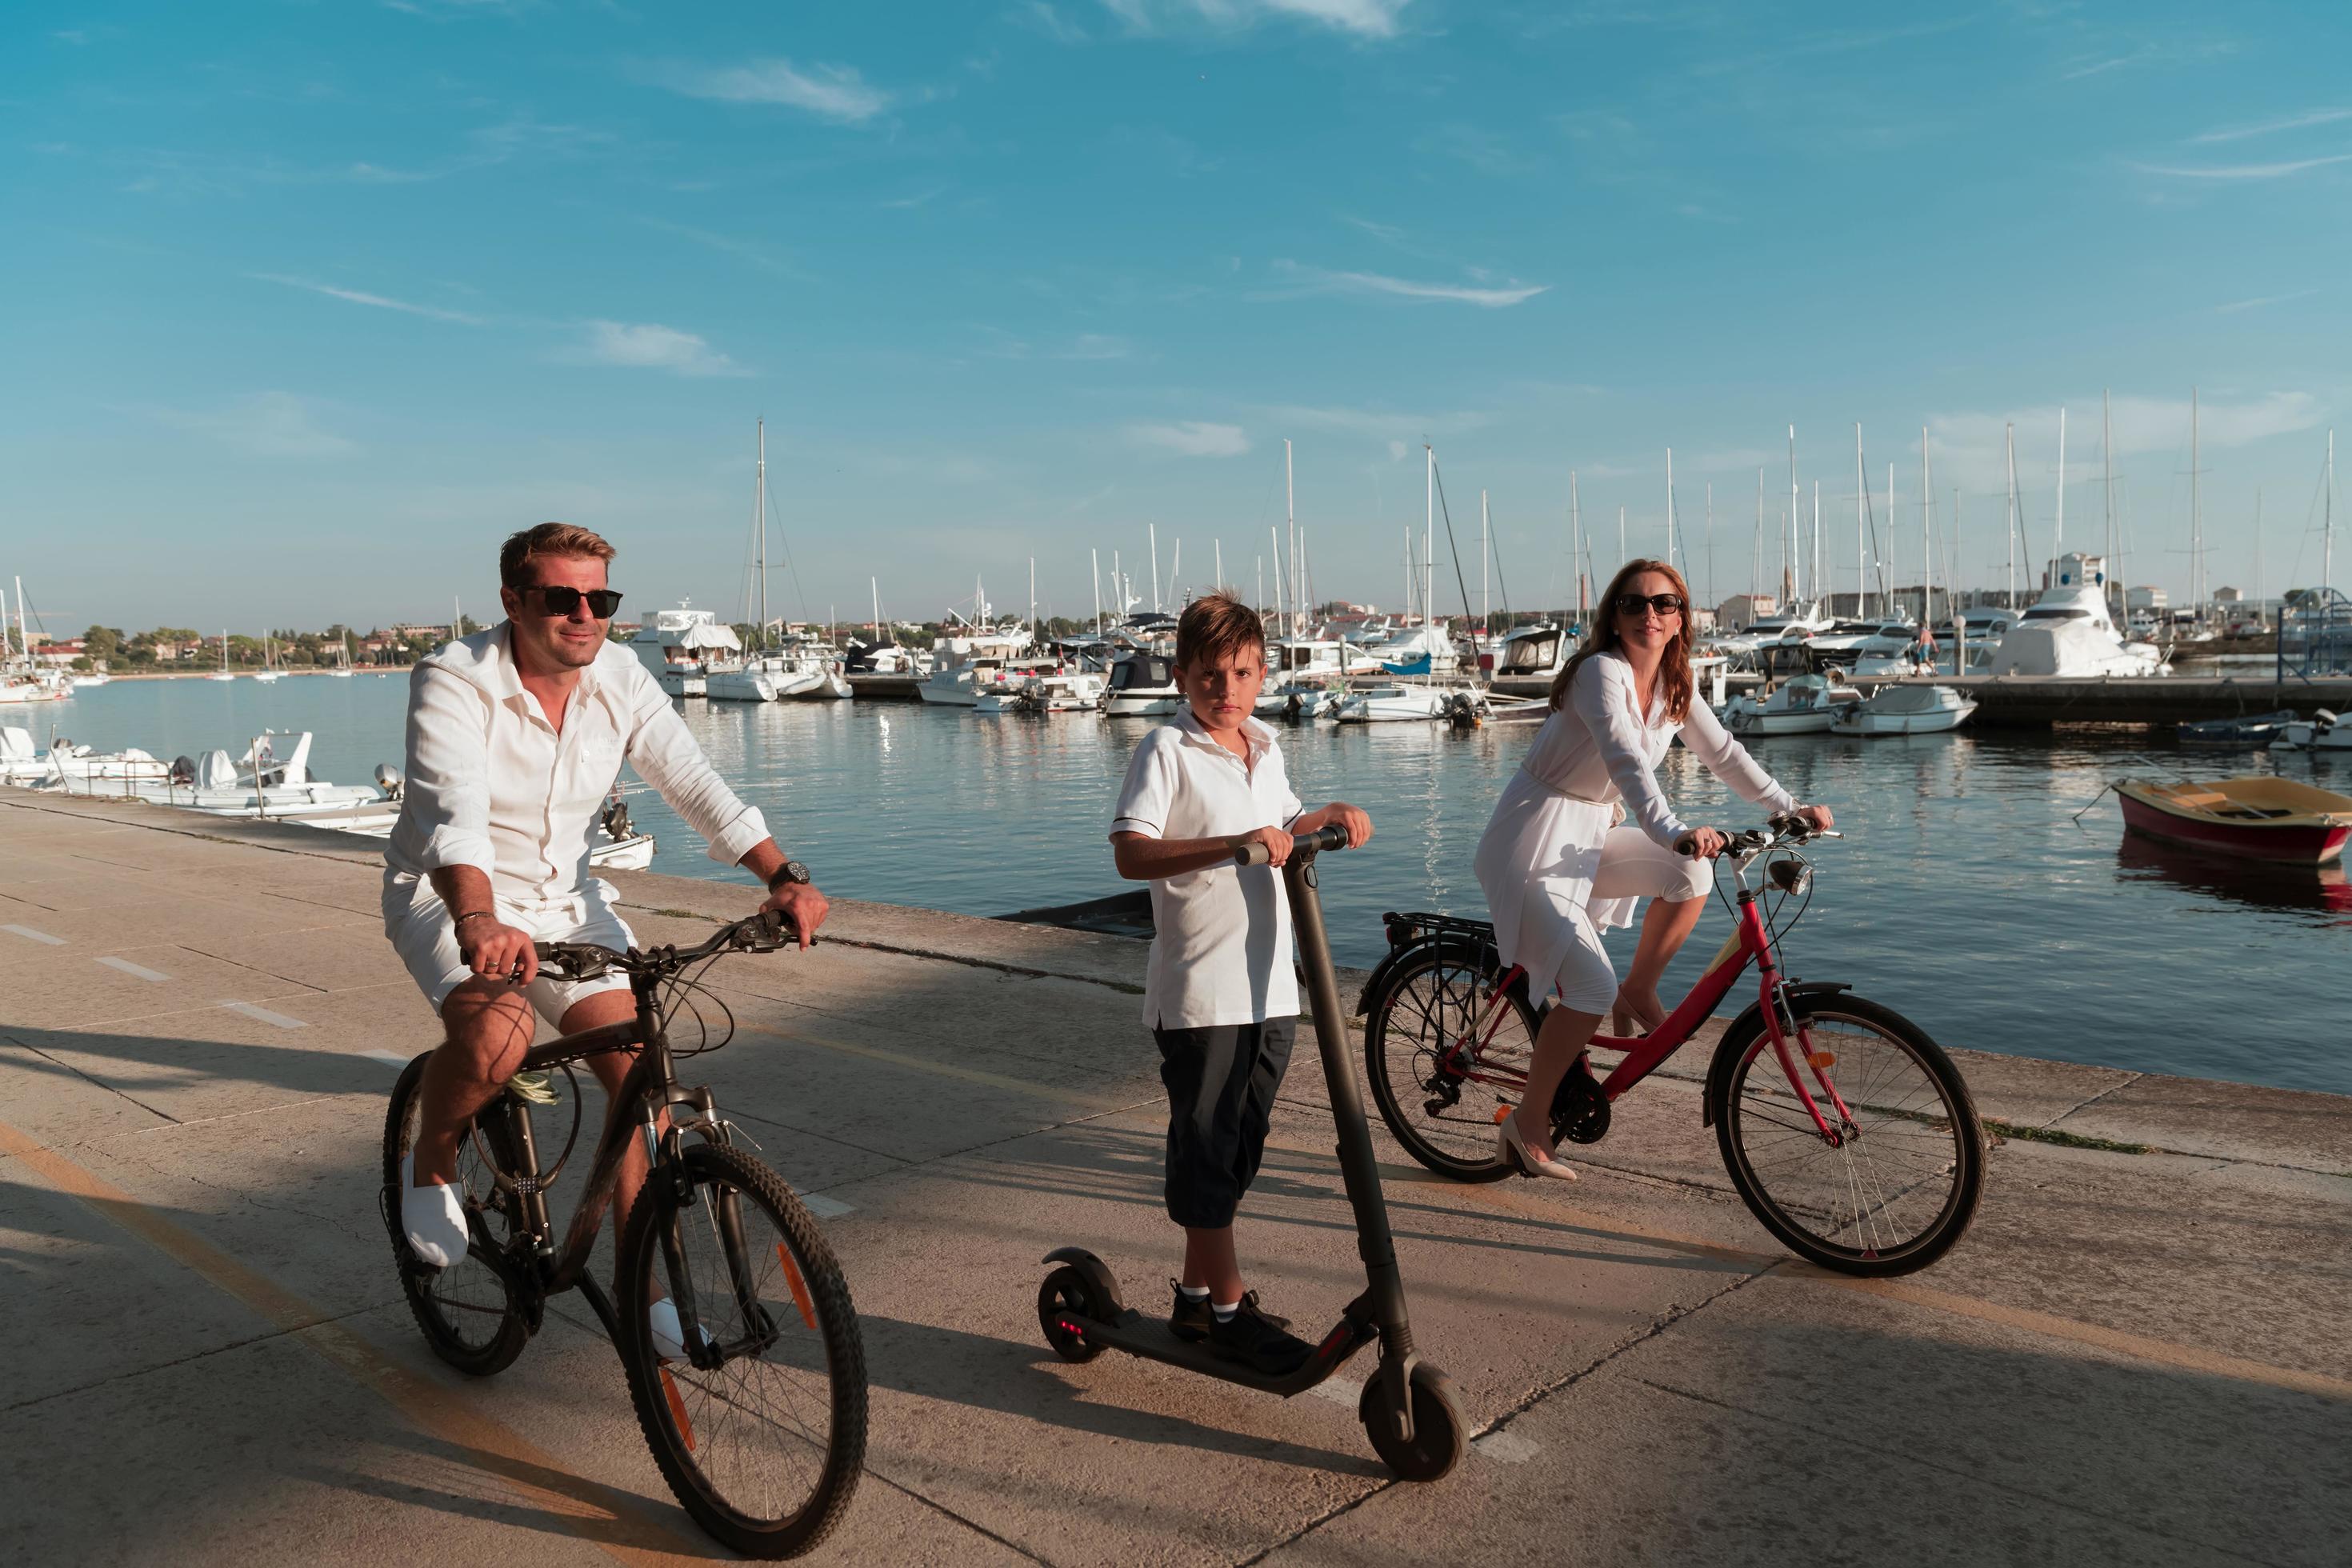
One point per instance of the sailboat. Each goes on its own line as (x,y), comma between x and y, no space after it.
(268,670)
(1425,651)
(766,675)
(223,673)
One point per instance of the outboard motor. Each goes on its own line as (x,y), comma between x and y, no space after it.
(183,769)
(615,820)
(388,779)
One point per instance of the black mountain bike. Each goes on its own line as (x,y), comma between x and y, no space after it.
(760,1426)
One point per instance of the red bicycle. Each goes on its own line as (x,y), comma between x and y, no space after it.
(1847,1132)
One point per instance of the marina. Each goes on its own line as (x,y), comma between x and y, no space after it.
(1965,861)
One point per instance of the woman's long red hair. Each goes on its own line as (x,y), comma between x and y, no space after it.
(1673,669)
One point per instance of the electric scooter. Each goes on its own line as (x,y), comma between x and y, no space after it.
(1408,1407)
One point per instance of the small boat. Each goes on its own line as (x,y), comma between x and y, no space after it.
(1405,703)
(1143,686)
(2324,732)
(1903,710)
(2243,733)
(2258,817)
(1047,691)
(1801,705)
(99,680)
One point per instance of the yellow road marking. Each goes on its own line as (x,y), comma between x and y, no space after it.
(605,1516)
(941,1070)
(2163,1353)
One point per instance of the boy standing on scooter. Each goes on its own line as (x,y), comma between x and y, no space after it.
(1221,996)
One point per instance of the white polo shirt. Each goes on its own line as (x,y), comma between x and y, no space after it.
(1220,952)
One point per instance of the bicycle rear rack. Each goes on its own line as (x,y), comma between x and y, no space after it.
(1406,928)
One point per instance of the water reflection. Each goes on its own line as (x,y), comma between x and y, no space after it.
(2323,890)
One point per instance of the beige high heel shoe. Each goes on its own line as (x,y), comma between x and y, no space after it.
(1515,1152)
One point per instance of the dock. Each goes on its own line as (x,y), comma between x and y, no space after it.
(2137,1355)
(2037,701)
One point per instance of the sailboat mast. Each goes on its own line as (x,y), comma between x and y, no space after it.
(1621,556)
(2326,529)
(1756,556)
(2009,440)
(1483,616)
(2058,529)
(2196,518)
(1290,521)
(1152,532)
(2108,487)
(1575,544)
(1860,485)
(1885,568)
(1670,506)
(1710,539)
(1428,526)
(759,509)
(1927,538)
(1796,587)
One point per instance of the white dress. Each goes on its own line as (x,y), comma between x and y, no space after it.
(1556,865)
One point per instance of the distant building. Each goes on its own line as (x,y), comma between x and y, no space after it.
(2148,597)
(2227,595)
(1741,610)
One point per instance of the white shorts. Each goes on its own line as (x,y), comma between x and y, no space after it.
(424,936)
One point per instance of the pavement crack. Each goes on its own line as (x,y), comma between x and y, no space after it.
(2094,1100)
(94,1083)
(193,1356)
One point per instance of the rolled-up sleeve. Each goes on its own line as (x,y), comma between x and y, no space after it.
(665,756)
(447,788)
(1729,760)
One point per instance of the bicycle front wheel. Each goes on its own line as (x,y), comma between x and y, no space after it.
(1897,1182)
(763,1447)
(1446,1060)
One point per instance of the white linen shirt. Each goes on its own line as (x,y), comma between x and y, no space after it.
(492,784)
(1221,942)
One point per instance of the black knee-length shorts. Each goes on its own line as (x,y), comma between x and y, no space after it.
(1221,1086)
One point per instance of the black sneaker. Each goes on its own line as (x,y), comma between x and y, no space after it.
(1258,1339)
(1191,1320)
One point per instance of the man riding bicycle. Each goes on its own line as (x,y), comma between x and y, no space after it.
(515,736)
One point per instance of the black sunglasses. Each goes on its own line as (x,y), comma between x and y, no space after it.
(1665,603)
(601,602)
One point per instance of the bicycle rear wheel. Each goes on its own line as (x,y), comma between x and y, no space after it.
(1440,1090)
(1899,1185)
(764,1448)
(469,1317)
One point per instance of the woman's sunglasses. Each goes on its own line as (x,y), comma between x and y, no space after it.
(1665,603)
(601,602)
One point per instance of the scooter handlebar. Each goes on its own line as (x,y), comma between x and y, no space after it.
(1322,839)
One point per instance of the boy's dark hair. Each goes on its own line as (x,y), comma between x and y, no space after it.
(547,539)
(1215,627)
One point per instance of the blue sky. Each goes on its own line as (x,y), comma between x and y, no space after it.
(309,304)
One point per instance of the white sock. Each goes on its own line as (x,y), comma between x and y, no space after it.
(1224,1310)
(1194,1292)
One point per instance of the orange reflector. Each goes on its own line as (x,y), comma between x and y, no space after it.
(1502,1114)
(1823,1060)
(677,1410)
(799,1286)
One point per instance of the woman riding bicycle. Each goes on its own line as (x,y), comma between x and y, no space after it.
(1557,865)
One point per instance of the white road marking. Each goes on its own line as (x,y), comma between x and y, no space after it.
(391,1059)
(824,1207)
(265,1014)
(137,971)
(1344,1390)
(29,935)
(1508,1447)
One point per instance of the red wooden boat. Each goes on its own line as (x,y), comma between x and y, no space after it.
(2260,817)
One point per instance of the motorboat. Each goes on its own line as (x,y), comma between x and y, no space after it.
(1800,705)
(1527,659)
(970,662)
(2324,732)
(262,782)
(1904,710)
(680,646)
(1044,691)
(99,678)
(2068,631)
(1406,652)
(1143,686)
(2244,733)
(2258,818)
(20,763)
(1896,648)
(1411,702)
(22,687)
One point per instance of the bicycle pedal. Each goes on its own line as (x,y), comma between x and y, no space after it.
(536,1088)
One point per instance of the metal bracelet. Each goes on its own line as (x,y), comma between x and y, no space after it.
(470,915)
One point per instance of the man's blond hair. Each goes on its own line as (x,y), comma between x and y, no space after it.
(547,539)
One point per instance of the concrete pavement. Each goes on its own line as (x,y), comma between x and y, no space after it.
(2132,1357)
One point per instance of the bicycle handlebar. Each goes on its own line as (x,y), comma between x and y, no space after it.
(766,931)
(1322,839)
(1785,828)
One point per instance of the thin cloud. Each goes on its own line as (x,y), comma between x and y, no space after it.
(379,301)
(1374,423)
(650,346)
(2268,127)
(830,92)
(1364,19)
(1191,438)
(2244,170)
(1317,279)
(1967,448)
(267,424)
(2235,306)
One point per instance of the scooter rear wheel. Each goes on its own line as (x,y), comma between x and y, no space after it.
(1440,1431)
(1065,1293)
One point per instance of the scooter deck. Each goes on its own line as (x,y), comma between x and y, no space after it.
(1150,1338)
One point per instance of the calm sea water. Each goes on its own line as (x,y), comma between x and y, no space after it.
(1965,895)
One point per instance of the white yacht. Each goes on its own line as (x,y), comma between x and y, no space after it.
(259,784)
(20,763)
(972,662)
(1528,657)
(1410,702)
(2069,632)
(1801,705)
(681,647)
(1403,654)
(1905,709)
(1893,649)
(1044,691)
(1143,686)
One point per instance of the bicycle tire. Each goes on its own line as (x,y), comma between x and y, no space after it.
(1785,1207)
(453,1305)
(668,1395)
(1394,1057)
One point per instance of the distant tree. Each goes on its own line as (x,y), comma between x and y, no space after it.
(102,643)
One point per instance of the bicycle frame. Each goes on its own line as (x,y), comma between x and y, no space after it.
(1748,943)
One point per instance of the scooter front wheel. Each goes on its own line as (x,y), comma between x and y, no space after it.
(1066,1293)
(1440,1431)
